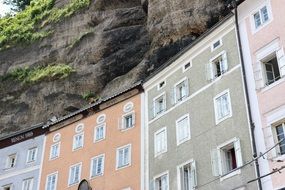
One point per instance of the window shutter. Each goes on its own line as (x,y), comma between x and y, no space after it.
(209,71)
(133,119)
(172,96)
(224,63)
(238,153)
(257,71)
(120,123)
(193,175)
(187,87)
(215,162)
(269,142)
(281,61)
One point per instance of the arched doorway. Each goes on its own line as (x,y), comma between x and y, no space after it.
(84,185)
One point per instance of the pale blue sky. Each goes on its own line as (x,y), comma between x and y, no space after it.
(3,8)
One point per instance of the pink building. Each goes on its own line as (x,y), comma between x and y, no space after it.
(262,29)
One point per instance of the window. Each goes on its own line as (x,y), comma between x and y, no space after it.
(159,105)
(217,66)
(123,156)
(280,131)
(97,166)
(54,151)
(77,141)
(51,181)
(271,69)
(7,187)
(261,17)
(27,184)
(100,132)
(182,129)
(11,161)
(160,85)
(74,174)
(128,121)
(181,90)
(216,45)
(186,66)
(187,176)
(226,158)
(222,104)
(160,141)
(161,182)
(32,155)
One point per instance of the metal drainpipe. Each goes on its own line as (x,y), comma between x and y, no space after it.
(252,125)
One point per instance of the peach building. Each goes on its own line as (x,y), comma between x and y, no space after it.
(98,147)
(262,27)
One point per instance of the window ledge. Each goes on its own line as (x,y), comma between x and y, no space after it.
(96,176)
(183,141)
(75,149)
(266,88)
(223,119)
(229,175)
(73,184)
(122,167)
(159,154)
(279,157)
(126,129)
(99,140)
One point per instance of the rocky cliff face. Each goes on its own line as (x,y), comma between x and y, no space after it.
(110,45)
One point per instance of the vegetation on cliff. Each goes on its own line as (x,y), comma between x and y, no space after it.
(31,75)
(28,25)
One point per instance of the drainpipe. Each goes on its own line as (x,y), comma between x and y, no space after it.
(252,125)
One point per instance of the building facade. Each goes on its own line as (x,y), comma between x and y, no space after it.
(21,158)
(100,145)
(263,37)
(197,128)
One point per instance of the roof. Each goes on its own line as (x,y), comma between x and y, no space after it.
(93,105)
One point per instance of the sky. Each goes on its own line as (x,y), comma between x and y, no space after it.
(3,8)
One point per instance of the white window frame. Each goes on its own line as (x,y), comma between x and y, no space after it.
(210,66)
(10,185)
(184,65)
(216,106)
(278,147)
(8,161)
(123,123)
(156,153)
(193,163)
(74,148)
(51,147)
(178,140)
(91,166)
(129,146)
(159,84)
(25,180)
(185,79)
(218,164)
(263,24)
(163,95)
(159,176)
(95,132)
(212,45)
(56,178)
(79,174)
(28,155)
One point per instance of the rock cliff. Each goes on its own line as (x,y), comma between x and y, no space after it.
(110,45)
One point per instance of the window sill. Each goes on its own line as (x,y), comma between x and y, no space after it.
(53,158)
(96,176)
(159,154)
(8,169)
(126,129)
(183,141)
(122,167)
(229,175)
(75,149)
(73,184)
(99,140)
(223,119)
(266,88)
(280,157)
